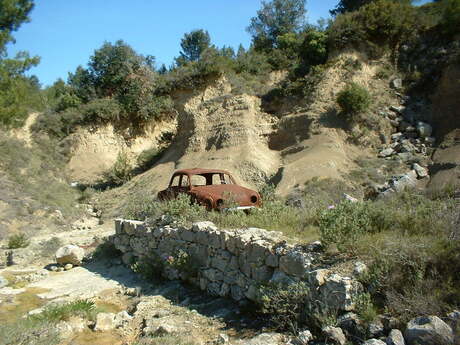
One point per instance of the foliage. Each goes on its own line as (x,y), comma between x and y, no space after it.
(62,312)
(193,44)
(148,158)
(18,94)
(379,25)
(450,21)
(18,241)
(285,304)
(120,172)
(354,99)
(12,14)
(274,19)
(313,50)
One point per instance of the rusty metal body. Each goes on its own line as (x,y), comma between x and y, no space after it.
(213,188)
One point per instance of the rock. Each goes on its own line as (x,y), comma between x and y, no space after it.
(396,83)
(376,329)
(397,109)
(421,171)
(428,330)
(304,337)
(105,322)
(122,319)
(395,338)
(335,334)
(53,268)
(164,329)
(68,267)
(430,140)
(222,339)
(349,198)
(262,339)
(424,129)
(408,180)
(296,263)
(359,268)
(374,342)
(338,293)
(3,282)
(70,254)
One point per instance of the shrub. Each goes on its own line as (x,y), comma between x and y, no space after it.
(451,17)
(285,304)
(29,331)
(120,172)
(148,158)
(354,99)
(18,241)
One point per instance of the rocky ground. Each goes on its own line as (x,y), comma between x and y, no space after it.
(131,307)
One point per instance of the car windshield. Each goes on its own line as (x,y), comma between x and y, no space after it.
(210,179)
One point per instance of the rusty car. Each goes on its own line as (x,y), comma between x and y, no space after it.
(213,188)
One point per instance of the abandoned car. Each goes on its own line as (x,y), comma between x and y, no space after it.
(212,188)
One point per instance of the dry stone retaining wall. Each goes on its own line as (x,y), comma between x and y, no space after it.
(233,263)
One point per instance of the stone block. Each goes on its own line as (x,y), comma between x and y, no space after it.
(296,263)
(262,274)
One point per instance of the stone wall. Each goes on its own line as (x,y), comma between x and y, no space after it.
(233,263)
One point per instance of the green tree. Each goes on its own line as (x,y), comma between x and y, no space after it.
(193,44)
(276,18)
(110,66)
(12,14)
(353,5)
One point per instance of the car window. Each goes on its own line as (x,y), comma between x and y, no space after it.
(198,180)
(175,181)
(221,179)
(185,182)
(227,179)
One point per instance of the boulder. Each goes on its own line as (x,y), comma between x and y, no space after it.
(70,254)
(334,335)
(395,338)
(428,330)
(424,129)
(359,268)
(338,293)
(375,329)
(421,171)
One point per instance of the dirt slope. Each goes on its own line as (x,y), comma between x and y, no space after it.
(216,129)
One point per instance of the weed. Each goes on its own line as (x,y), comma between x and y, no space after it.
(120,172)
(18,241)
(28,331)
(62,312)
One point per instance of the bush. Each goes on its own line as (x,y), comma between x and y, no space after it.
(121,171)
(18,241)
(354,99)
(379,25)
(285,305)
(148,158)
(450,21)
(63,312)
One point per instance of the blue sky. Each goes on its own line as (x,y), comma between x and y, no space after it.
(65,33)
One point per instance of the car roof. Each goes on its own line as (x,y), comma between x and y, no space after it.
(199,171)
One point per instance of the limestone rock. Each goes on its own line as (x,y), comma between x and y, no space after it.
(386,152)
(359,268)
(335,334)
(68,267)
(374,342)
(165,329)
(296,263)
(395,338)
(304,337)
(428,330)
(70,254)
(421,171)
(262,339)
(222,339)
(105,322)
(338,293)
